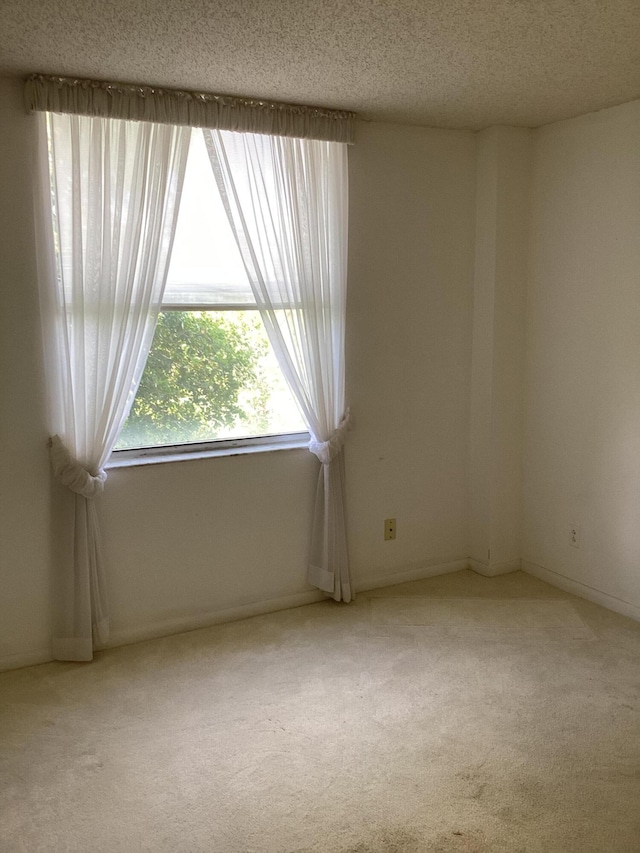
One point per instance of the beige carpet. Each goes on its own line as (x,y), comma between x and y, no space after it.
(454,714)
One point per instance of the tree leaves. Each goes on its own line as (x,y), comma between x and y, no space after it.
(202,378)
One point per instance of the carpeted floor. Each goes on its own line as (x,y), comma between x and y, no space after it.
(458,713)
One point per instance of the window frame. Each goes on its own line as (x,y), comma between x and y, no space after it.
(208,447)
(182,451)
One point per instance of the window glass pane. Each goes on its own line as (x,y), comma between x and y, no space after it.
(210,375)
(206,267)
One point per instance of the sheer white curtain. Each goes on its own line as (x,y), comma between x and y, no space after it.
(111,192)
(286,199)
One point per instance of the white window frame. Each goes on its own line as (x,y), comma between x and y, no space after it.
(210,447)
(214,447)
(207,449)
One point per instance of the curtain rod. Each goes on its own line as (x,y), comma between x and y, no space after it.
(50,93)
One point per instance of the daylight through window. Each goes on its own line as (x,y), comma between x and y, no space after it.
(211,373)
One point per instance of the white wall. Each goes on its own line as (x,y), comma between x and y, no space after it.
(409,345)
(24,475)
(188,540)
(582,436)
(503,183)
(184,540)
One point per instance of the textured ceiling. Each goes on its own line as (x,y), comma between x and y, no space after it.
(447,63)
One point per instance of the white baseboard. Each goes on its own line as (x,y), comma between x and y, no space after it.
(181,624)
(582,590)
(175,625)
(495,569)
(17,661)
(207,619)
(415,573)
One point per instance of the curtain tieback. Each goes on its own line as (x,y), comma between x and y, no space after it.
(71,473)
(326,451)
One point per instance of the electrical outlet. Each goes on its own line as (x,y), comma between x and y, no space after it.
(574,535)
(389,528)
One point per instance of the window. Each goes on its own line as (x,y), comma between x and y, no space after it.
(113,174)
(211,373)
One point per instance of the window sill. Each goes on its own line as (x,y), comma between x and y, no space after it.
(188,453)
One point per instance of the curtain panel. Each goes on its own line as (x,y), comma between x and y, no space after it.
(287,203)
(110,195)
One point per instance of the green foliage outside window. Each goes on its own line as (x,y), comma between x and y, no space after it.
(202,379)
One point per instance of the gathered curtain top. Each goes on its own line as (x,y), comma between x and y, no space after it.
(194,109)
